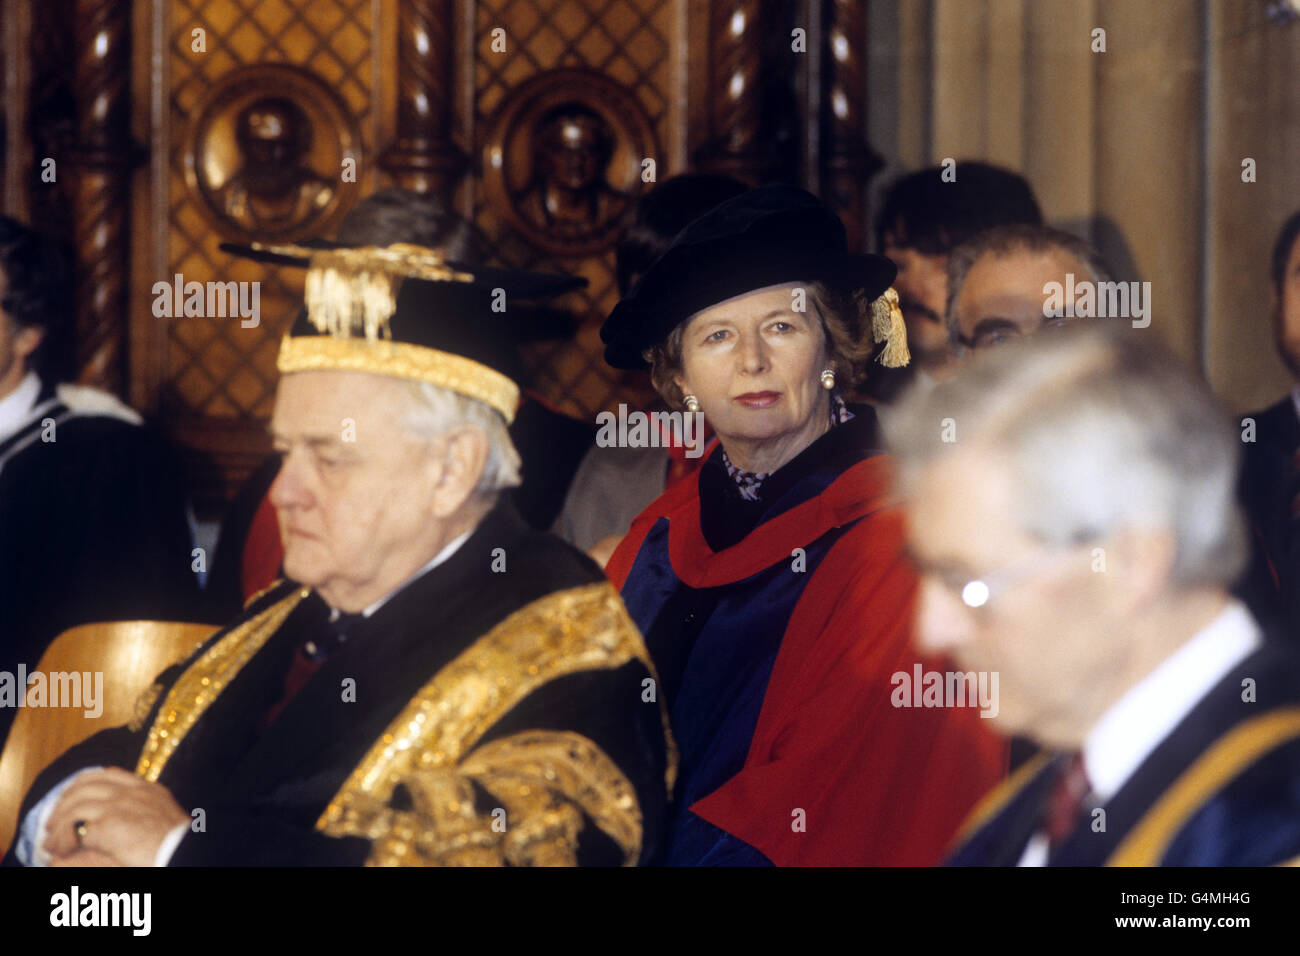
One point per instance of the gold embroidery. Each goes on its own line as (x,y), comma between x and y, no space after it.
(541,775)
(144,707)
(307,353)
(521,769)
(203,680)
(262,593)
(1231,754)
(543,782)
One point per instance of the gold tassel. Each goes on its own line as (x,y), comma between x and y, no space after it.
(887,326)
(354,291)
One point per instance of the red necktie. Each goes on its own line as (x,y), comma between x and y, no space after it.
(1066,800)
(1295,485)
(308,658)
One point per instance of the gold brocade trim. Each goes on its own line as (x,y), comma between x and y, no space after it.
(1146,843)
(354,290)
(310,353)
(144,707)
(543,782)
(541,775)
(263,592)
(203,680)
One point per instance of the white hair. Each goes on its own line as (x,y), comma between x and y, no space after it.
(1103,428)
(435,410)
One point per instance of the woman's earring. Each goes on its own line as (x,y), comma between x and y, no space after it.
(828,379)
(692,403)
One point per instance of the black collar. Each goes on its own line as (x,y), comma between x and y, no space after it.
(726,518)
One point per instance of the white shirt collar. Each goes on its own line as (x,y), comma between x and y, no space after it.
(18,404)
(1135,724)
(438,559)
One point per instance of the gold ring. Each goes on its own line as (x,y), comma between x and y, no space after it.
(79,828)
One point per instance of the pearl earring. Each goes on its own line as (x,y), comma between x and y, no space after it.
(828,379)
(692,403)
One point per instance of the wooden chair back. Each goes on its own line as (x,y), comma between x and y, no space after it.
(129,655)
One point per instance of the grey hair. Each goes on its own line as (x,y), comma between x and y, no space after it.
(435,410)
(1002,241)
(1103,428)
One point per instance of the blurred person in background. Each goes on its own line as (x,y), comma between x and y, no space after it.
(996,283)
(93,513)
(923,216)
(1271,475)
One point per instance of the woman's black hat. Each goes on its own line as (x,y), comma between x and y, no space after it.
(763,237)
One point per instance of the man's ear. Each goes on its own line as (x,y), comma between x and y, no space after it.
(1145,558)
(27,341)
(464,456)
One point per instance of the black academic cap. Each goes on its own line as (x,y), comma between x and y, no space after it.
(765,236)
(404,311)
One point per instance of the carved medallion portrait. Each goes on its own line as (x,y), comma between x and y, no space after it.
(563,160)
(266,152)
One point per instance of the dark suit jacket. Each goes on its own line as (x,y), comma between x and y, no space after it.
(92,528)
(1271,586)
(1238,763)
(263,793)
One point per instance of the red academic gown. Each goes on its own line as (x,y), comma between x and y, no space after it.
(778,656)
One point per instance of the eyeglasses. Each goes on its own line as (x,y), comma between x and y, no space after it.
(977,592)
(1007,332)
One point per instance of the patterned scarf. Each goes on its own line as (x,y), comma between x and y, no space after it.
(749,482)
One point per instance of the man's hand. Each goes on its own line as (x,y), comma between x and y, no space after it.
(125,820)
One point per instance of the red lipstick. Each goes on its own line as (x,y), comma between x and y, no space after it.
(758,399)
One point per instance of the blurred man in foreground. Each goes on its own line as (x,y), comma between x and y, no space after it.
(1072,512)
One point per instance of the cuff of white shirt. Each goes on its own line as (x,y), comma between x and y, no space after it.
(169,844)
(30,849)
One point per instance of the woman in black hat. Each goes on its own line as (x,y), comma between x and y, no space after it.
(772,591)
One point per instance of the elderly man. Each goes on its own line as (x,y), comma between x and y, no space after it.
(434,683)
(1072,513)
(1001,284)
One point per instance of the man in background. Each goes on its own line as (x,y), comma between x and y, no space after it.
(923,216)
(996,282)
(93,522)
(1271,475)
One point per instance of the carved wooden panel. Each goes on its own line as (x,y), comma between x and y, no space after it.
(215,366)
(217,377)
(632,44)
